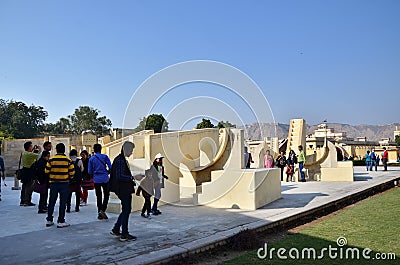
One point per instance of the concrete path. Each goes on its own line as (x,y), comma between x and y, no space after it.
(24,239)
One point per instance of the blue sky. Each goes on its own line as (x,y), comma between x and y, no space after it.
(338,60)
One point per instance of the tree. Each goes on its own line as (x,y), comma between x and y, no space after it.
(205,123)
(86,118)
(63,126)
(19,120)
(226,124)
(397,139)
(155,122)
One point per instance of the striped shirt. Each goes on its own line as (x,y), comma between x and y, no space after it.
(60,168)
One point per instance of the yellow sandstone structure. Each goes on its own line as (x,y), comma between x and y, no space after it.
(204,166)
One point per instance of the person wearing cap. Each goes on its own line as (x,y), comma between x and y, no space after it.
(158,181)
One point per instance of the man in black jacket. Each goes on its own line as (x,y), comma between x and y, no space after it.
(122,184)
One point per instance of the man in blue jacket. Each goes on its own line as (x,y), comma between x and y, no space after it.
(100,167)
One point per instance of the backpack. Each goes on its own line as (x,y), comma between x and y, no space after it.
(372,155)
(78,173)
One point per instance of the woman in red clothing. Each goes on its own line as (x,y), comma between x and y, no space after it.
(85,176)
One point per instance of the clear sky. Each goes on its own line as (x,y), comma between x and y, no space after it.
(338,60)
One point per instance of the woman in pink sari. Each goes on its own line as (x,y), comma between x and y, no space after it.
(268,160)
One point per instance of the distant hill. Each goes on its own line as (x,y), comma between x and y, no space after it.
(372,132)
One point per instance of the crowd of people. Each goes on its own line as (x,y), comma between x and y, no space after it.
(372,159)
(64,177)
(287,163)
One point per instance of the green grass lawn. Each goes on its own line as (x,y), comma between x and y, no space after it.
(373,224)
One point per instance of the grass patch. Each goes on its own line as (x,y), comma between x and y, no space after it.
(373,224)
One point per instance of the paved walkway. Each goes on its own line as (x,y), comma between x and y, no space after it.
(24,239)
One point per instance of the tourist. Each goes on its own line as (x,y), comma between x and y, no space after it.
(158,181)
(28,157)
(60,169)
(87,180)
(43,179)
(301,159)
(247,158)
(378,159)
(281,162)
(373,160)
(123,185)
(385,157)
(100,167)
(147,189)
(268,160)
(2,174)
(368,160)
(291,161)
(75,182)
(46,147)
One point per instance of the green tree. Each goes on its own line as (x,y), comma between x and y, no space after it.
(225,124)
(19,120)
(62,126)
(155,122)
(86,118)
(397,139)
(205,123)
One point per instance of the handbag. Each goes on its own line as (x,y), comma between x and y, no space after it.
(18,172)
(39,188)
(88,184)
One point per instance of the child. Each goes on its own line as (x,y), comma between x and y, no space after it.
(147,188)
(289,172)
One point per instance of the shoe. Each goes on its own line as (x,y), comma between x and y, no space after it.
(30,204)
(158,212)
(127,237)
(83,204)
(100,217)
(76,209)
(155,213)
(22,204)
(103,214)
(68,210)
(145,216)
(42,211)
(49,223)
(115,232)
(62,225)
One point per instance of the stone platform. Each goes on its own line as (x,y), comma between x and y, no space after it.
(24,239)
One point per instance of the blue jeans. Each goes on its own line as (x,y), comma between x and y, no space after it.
(123,218)
(55,189)
(384,161)
(303,176)
(373,164)
(368,164)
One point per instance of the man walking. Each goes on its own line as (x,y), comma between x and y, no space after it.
(373,160)
(60,169)
(385,157)
(100,167)
(123,185)
(301,158)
